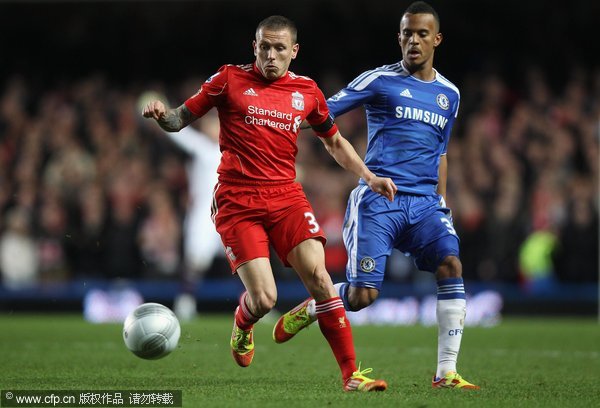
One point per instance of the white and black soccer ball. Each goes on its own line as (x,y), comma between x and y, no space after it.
(151,331)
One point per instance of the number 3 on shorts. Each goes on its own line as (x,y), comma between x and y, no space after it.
(312,222)
(449,226)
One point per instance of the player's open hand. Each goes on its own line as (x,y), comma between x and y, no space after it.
(155,110)
(384,186)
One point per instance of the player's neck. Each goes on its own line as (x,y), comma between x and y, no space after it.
(427,75)
(258,70)
(424,73)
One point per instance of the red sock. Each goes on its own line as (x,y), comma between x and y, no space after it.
(244,317)
(336,328)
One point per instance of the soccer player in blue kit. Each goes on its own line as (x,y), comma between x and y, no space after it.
(410,110)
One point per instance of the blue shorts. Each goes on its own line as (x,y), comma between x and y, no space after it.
(418,226)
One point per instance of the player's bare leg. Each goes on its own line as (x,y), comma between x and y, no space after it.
(308,259)
(258,300)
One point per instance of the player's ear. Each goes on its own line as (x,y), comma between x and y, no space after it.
(254,48)
(400,38)
(438,39)
(295,49)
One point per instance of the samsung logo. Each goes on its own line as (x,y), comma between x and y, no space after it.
(432,118)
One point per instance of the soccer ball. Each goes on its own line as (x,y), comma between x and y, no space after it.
(151,331)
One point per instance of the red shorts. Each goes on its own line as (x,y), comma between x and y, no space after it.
(249,218)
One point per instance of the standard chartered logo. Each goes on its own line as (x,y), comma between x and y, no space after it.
(272,118)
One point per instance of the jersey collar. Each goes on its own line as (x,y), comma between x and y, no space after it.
(417,79)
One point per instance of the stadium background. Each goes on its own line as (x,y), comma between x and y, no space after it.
(523,182)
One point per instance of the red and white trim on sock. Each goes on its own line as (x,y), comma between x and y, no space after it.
(244,317)
(328,305)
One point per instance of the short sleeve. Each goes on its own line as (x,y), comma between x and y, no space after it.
(358,93)
(320,119)
(211,93)
(448,129)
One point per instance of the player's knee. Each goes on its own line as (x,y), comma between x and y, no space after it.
(450,267)
(359,298)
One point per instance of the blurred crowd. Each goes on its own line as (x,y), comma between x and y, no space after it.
(524,178)
(90,189)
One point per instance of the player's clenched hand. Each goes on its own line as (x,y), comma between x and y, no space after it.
(155,110)
(384,186)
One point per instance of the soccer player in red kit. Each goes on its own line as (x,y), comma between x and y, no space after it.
(257,201)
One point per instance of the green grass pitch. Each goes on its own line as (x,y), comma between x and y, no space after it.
(521,363)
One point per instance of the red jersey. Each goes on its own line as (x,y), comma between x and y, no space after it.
(260,120)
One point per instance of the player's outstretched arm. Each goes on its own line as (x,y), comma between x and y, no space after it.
(171,120)
(343,153)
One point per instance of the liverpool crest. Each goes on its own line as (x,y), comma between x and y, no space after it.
(297,101)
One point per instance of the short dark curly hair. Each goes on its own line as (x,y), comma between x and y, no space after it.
(420,7)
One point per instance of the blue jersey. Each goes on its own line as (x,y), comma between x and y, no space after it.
(409,123)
